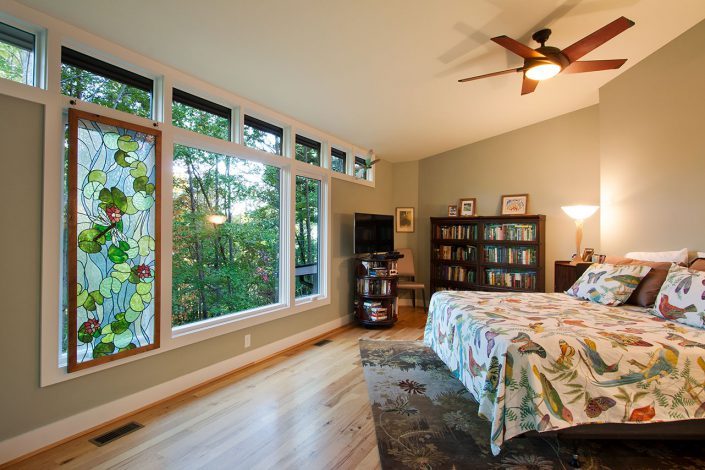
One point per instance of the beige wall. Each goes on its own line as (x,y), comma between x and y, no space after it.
(652,131)
(23,404)
(556,162)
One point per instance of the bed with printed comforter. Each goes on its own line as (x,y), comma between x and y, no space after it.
(544,362)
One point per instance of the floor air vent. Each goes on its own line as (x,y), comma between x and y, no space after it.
(116,433)
(323,342)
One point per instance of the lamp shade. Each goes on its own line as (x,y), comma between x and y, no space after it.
(579,212)
(543,71)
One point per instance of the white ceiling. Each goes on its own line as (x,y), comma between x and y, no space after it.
(382,74)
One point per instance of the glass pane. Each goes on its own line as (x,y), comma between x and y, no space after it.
(193,119)
(114,266)
(226,235)
(93,88)
(307,154)
(262,140)
(308,200)
(16,57)
(338,164)
(360,169)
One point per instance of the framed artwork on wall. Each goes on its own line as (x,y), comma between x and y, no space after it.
(113,241)
(515,204)
(467,207)
(405,219)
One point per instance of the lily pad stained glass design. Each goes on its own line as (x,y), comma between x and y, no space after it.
(113,238)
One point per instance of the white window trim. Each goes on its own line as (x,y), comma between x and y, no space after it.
(51,35)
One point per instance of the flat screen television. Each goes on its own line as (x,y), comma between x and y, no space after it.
(374,233)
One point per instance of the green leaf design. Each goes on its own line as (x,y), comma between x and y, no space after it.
(98,176)
(116,255)
(97,297)
(119,199)
(131,315)
(119,326)
(136,303)
(144,288)
(103,349)
(107,329)
(121,159)
(128,347)
(123,339)
(88,242)
(133,248)
(89,304)
(131,209)
(105,196)
(150,189)
(126,144)
(138,170)
(142,201)
(121,272)
(146,245)
(92,190)
(140,184)
(82,295)
(108,338)
(83,336)
(110,139)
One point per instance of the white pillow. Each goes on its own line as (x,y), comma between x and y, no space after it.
(677,256)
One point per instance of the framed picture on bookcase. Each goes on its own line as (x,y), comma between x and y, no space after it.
(467,207)
(452,211)
(515,204)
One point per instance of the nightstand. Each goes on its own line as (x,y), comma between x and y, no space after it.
(566,274)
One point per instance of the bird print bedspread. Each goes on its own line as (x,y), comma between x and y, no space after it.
(543,362)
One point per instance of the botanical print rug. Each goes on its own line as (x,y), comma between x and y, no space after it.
(425,419)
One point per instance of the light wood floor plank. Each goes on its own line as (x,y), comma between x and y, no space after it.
(305,408)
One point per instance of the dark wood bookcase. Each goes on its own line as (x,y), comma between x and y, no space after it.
(499,253)
(375,301)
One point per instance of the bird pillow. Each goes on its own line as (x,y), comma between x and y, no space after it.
(608,284)
(682,297)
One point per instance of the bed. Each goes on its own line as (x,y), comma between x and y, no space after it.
(547,362)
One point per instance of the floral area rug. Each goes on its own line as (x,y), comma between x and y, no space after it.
(425,419)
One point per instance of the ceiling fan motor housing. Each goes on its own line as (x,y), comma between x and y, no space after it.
(553,54)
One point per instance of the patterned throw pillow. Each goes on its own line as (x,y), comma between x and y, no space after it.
(608,284)
(682,297)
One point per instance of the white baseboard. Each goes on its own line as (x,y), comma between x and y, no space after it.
(44,436)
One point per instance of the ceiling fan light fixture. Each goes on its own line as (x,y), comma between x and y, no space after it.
(542,70)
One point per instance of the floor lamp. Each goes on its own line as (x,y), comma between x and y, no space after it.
(579,214)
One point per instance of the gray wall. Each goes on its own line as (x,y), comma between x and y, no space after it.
(23,404)
(556,162)
(652,120)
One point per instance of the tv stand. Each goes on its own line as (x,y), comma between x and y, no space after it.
(375,302)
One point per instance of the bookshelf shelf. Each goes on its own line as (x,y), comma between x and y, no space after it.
(505,253)
(375,302)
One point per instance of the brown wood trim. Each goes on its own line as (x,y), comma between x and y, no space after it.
(74,116)
(177,394)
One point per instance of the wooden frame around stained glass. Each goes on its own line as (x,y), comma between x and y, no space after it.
(114,239)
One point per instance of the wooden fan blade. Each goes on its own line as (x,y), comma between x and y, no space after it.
(581,66)
(528,85)
(518,48)
(493,74)
(592,41)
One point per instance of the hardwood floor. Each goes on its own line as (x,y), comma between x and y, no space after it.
(305,408)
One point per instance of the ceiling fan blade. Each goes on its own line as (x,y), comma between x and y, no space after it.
(374,162)
(493,74)
(518,48)
(592,41)
(528,85)
(581,66)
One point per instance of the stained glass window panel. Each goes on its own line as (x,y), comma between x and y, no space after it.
(226,226)
(113,239)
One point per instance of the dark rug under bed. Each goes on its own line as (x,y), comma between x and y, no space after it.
(425,419)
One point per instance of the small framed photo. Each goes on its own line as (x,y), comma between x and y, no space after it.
(515,204)
(452,211)
(405,219)
(467,207)
(587,254)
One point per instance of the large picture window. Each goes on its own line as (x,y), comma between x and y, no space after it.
(16,54)
(225,235)
(263,135)
(308,205)
(89,79)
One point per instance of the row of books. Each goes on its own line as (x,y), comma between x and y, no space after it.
(456,253)
(521,232)
(374,286)
(457,232)
(373,268)
(516,280)
(381,272)
(456,273)
(376,311)
(513,255)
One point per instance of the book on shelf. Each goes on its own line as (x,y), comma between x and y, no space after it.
(456,274)
(457,232)
(513,279)
(512,255)
(511,232)
(456,253)
(374,286)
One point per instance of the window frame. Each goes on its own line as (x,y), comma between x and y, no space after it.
(207,106)
(312,144)
(248,120)
(337,153)
(49,42)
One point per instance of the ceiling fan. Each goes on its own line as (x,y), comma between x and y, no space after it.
(546,61)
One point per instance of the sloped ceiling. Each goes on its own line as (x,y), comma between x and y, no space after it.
(382,74)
